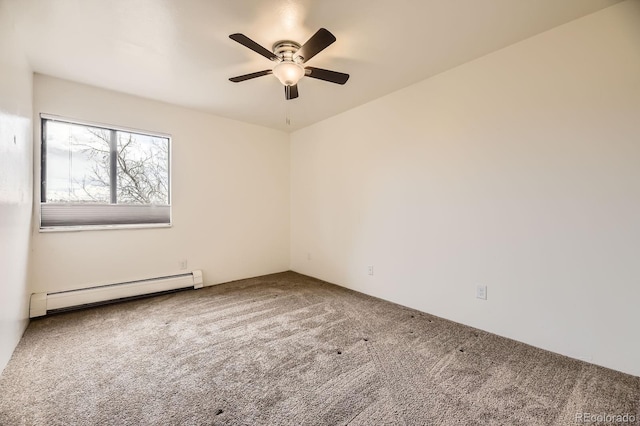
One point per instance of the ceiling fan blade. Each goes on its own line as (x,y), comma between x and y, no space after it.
(327,75)
(240,78)
(291,92)
(247,42)
(316,44)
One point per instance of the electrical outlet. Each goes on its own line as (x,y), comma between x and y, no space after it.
(308,256)
(370,269)
(481,292)
(183,264)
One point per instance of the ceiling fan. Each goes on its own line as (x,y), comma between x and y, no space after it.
(289,57)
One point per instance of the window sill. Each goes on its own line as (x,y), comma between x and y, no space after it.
(102,227)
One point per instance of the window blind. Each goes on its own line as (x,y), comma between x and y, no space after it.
(65,214)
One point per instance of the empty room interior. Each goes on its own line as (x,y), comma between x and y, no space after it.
(430,216)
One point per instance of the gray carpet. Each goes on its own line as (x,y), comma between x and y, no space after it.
(286,349)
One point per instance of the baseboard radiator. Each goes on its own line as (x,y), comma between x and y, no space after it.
(47,303)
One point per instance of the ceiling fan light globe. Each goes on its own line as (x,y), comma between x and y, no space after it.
(289,73)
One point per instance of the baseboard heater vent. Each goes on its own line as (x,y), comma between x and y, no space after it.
(47,303)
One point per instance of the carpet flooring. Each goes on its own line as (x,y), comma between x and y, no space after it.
(286,349)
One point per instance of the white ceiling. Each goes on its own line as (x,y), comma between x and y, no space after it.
(178,51)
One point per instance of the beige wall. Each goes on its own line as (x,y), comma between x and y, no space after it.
(230,196)
(15,186)
(519,171)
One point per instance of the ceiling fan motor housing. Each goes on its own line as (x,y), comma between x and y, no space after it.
(285,50)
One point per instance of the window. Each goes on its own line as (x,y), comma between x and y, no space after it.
(95,176)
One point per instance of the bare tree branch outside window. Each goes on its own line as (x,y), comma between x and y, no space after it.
(142,167)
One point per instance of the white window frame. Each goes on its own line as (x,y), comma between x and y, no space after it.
(161,216)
